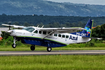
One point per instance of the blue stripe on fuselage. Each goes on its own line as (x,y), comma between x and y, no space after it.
(40,42)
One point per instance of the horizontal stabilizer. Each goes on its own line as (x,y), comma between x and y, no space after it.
(93,38)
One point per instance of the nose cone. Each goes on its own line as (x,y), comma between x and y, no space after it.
(14,32)
(17,32)
(10,31)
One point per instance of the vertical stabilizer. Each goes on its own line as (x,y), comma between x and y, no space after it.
(88,30)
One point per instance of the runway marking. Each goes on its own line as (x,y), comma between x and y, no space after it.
(74,52)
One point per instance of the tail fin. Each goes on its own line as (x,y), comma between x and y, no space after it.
(88,29)
(87,32)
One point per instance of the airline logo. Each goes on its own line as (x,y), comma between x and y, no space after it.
(73,37)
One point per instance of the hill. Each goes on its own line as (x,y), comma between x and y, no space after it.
(43,7)
(50,21)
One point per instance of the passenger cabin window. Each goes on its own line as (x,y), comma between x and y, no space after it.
(55,34)
(29,29)
(67,36)
(59,35)
(63,36)
(49,33)
(44,32)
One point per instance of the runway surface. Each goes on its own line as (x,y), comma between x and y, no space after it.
(70,52)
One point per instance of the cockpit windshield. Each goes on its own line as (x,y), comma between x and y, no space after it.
(29,29)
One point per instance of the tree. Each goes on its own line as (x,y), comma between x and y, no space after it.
(99,31)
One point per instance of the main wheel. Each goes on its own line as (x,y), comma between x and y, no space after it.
(49,49)
(14,45)
(32,48)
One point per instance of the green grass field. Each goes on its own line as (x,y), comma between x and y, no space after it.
(53,62)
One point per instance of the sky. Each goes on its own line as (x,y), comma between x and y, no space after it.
(95,2)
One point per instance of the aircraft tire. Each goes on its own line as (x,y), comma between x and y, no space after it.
(32,48)
(49,49)
(14,45)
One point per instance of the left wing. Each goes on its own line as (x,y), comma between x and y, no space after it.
(62,30)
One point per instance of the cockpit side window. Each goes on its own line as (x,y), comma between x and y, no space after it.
(36,31)
(29,29)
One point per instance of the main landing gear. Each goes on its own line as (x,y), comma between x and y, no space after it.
(32,47)
(14,43)
(49,49)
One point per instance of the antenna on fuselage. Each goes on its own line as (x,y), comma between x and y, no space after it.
(38,26)
(9,25)
(42,26)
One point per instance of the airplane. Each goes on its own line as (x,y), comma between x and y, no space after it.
(51,37)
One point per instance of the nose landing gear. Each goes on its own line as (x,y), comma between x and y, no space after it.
(14,43)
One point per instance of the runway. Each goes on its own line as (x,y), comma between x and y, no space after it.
(70,52)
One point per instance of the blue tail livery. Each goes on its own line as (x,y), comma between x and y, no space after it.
(87,31)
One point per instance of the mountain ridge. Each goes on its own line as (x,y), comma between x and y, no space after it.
(43,7)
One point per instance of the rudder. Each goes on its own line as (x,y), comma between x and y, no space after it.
(88,29)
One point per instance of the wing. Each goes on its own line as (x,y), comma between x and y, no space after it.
(62,30)
(14,26)
(59,30)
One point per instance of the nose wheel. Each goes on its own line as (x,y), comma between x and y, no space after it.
(14,43)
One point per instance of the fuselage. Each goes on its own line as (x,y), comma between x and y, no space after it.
(35,36)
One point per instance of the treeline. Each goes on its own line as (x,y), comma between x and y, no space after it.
(99,31)
(50,21)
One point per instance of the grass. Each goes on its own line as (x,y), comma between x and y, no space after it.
(53,62)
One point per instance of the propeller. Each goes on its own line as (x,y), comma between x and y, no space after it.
(9,26)
(14,26)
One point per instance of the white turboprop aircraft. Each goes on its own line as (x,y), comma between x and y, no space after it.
(51,37)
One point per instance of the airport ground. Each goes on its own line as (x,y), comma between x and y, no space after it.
(52,62)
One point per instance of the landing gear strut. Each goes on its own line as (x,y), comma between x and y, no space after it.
(32,47)
(14,43)
(48,47)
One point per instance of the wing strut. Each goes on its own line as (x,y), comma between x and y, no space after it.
(49,34)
